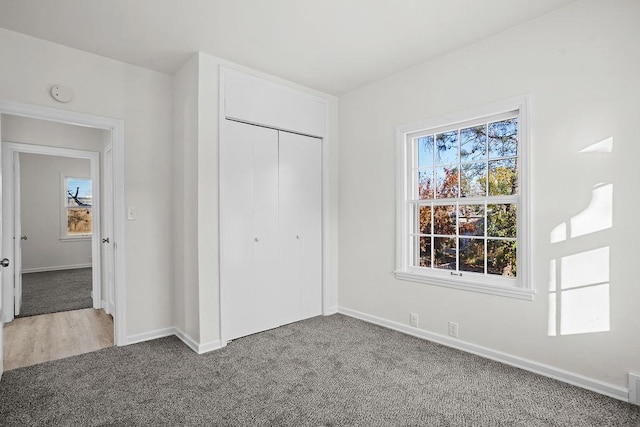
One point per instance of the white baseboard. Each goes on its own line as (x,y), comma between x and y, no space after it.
(166,332)
(331,310)
(55,268)
(610,390)
(634,388)
(151,335)
(193,345)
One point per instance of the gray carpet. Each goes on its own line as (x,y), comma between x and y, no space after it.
(325,371)
(54,291)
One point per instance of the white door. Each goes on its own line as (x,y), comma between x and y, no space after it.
(2,303)
(300,204)
(17,237)
(107,252)
(271,247)
(248,216)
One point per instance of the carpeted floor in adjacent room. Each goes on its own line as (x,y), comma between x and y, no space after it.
(54,291)
(331,371)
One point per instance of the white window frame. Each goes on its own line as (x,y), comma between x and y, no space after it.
(520,287)
(64,236)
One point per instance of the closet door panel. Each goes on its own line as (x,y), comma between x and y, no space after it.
(290,247)
(266,287)
(301,230)
(241,148)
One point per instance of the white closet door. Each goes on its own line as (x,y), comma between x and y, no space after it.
(249,212)
(300,197)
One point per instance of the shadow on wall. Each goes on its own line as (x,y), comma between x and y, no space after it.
(579,282)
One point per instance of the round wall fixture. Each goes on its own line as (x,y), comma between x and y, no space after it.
(61,93)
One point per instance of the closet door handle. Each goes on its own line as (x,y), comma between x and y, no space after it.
(256,239)
(298,236)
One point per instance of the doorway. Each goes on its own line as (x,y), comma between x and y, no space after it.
(63,255)
(115,142)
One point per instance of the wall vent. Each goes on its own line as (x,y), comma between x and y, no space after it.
(634,388)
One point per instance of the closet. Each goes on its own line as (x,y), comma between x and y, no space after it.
(270,227)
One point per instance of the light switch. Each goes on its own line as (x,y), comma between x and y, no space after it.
(131,213)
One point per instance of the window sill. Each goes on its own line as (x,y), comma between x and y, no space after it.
(75,238)
(504,291)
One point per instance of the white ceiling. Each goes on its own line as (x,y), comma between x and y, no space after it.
(334,46)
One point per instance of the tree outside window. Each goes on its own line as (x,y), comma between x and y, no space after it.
(78,202)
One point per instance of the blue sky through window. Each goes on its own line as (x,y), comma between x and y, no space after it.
(83,184)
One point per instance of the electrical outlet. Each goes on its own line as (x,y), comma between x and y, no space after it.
(413,320)
(453,329)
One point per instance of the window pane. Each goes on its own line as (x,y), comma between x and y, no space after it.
(472,255)
(445,256)
(425,220)
(501,257)
(79,221)
(425,151)
(502,220)
(425,184)
(446,182)
(503,138)
(447,148)
(503,177)
(79,192)
(473,180)
(471,220)
(424,259)
(473,143)
(444,220)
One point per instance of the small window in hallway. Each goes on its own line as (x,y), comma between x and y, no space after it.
(78,201)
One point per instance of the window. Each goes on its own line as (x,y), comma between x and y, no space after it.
(77,217)
(462,201)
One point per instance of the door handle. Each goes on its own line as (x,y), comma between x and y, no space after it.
(105,240)
(4,262)
(23,237)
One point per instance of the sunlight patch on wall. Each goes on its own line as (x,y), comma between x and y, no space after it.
(581,293)
(585,310)
(598,215)
(604,146)
(584,299)
(559,233)
(579,288)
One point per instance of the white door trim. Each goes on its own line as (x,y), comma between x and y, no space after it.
(12,201)
(116,128)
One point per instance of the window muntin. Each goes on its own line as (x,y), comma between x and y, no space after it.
(463,214)
(78,199)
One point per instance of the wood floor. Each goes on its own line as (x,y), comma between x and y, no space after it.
(37,339)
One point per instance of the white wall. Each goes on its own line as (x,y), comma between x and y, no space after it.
(185,204)
(141,98)
(41,203)
(580,66)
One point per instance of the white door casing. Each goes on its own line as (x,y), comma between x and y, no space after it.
(107,232)
(17,235)
(2,275)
